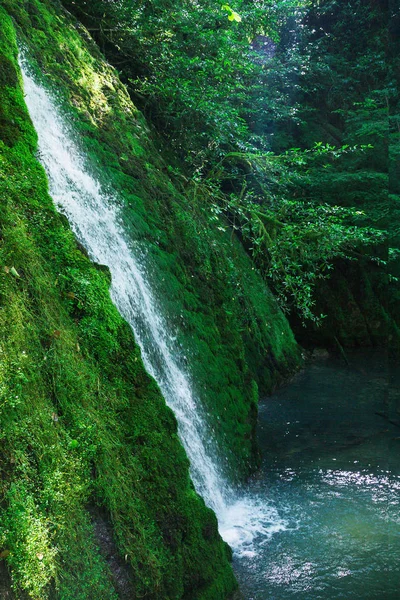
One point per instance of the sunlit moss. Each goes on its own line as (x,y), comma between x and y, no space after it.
(211,294)
(83,425)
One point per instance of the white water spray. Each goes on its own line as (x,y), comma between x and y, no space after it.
(94,217)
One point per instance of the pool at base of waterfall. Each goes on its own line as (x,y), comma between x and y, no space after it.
(331,479)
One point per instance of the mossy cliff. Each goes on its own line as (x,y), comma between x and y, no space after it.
(224,317)
(96,500)
(82,424)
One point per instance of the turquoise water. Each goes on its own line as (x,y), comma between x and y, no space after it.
(332,470)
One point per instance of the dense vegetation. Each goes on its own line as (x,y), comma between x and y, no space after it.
(279,111)
(343,99)
(262,157)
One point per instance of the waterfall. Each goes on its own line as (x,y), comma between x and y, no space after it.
(95,218)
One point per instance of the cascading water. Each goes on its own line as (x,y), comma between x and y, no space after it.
(94,217)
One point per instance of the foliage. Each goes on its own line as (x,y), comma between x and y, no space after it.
(192,70)
(223,92)
(344,96)
(293,240)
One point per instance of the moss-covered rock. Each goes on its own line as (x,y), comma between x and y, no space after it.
(226,320)
(356,302)
(83,426)
(81,422)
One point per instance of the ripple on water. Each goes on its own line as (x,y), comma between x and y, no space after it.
(333,474)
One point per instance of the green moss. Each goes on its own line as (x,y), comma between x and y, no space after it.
(81,422)
(226,320)
(8,72)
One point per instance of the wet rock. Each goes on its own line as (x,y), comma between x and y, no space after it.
(120,569)
(320,354)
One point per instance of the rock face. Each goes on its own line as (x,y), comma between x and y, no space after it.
(360,309)
(225,318)
(84,427)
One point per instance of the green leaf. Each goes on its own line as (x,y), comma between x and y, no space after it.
(233,15)
(14,272)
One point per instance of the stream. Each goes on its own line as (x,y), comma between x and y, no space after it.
(331,467)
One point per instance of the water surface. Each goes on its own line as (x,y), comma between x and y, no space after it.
(331,445)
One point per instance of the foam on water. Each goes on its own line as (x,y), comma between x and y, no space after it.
(249,523)
(94,216)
